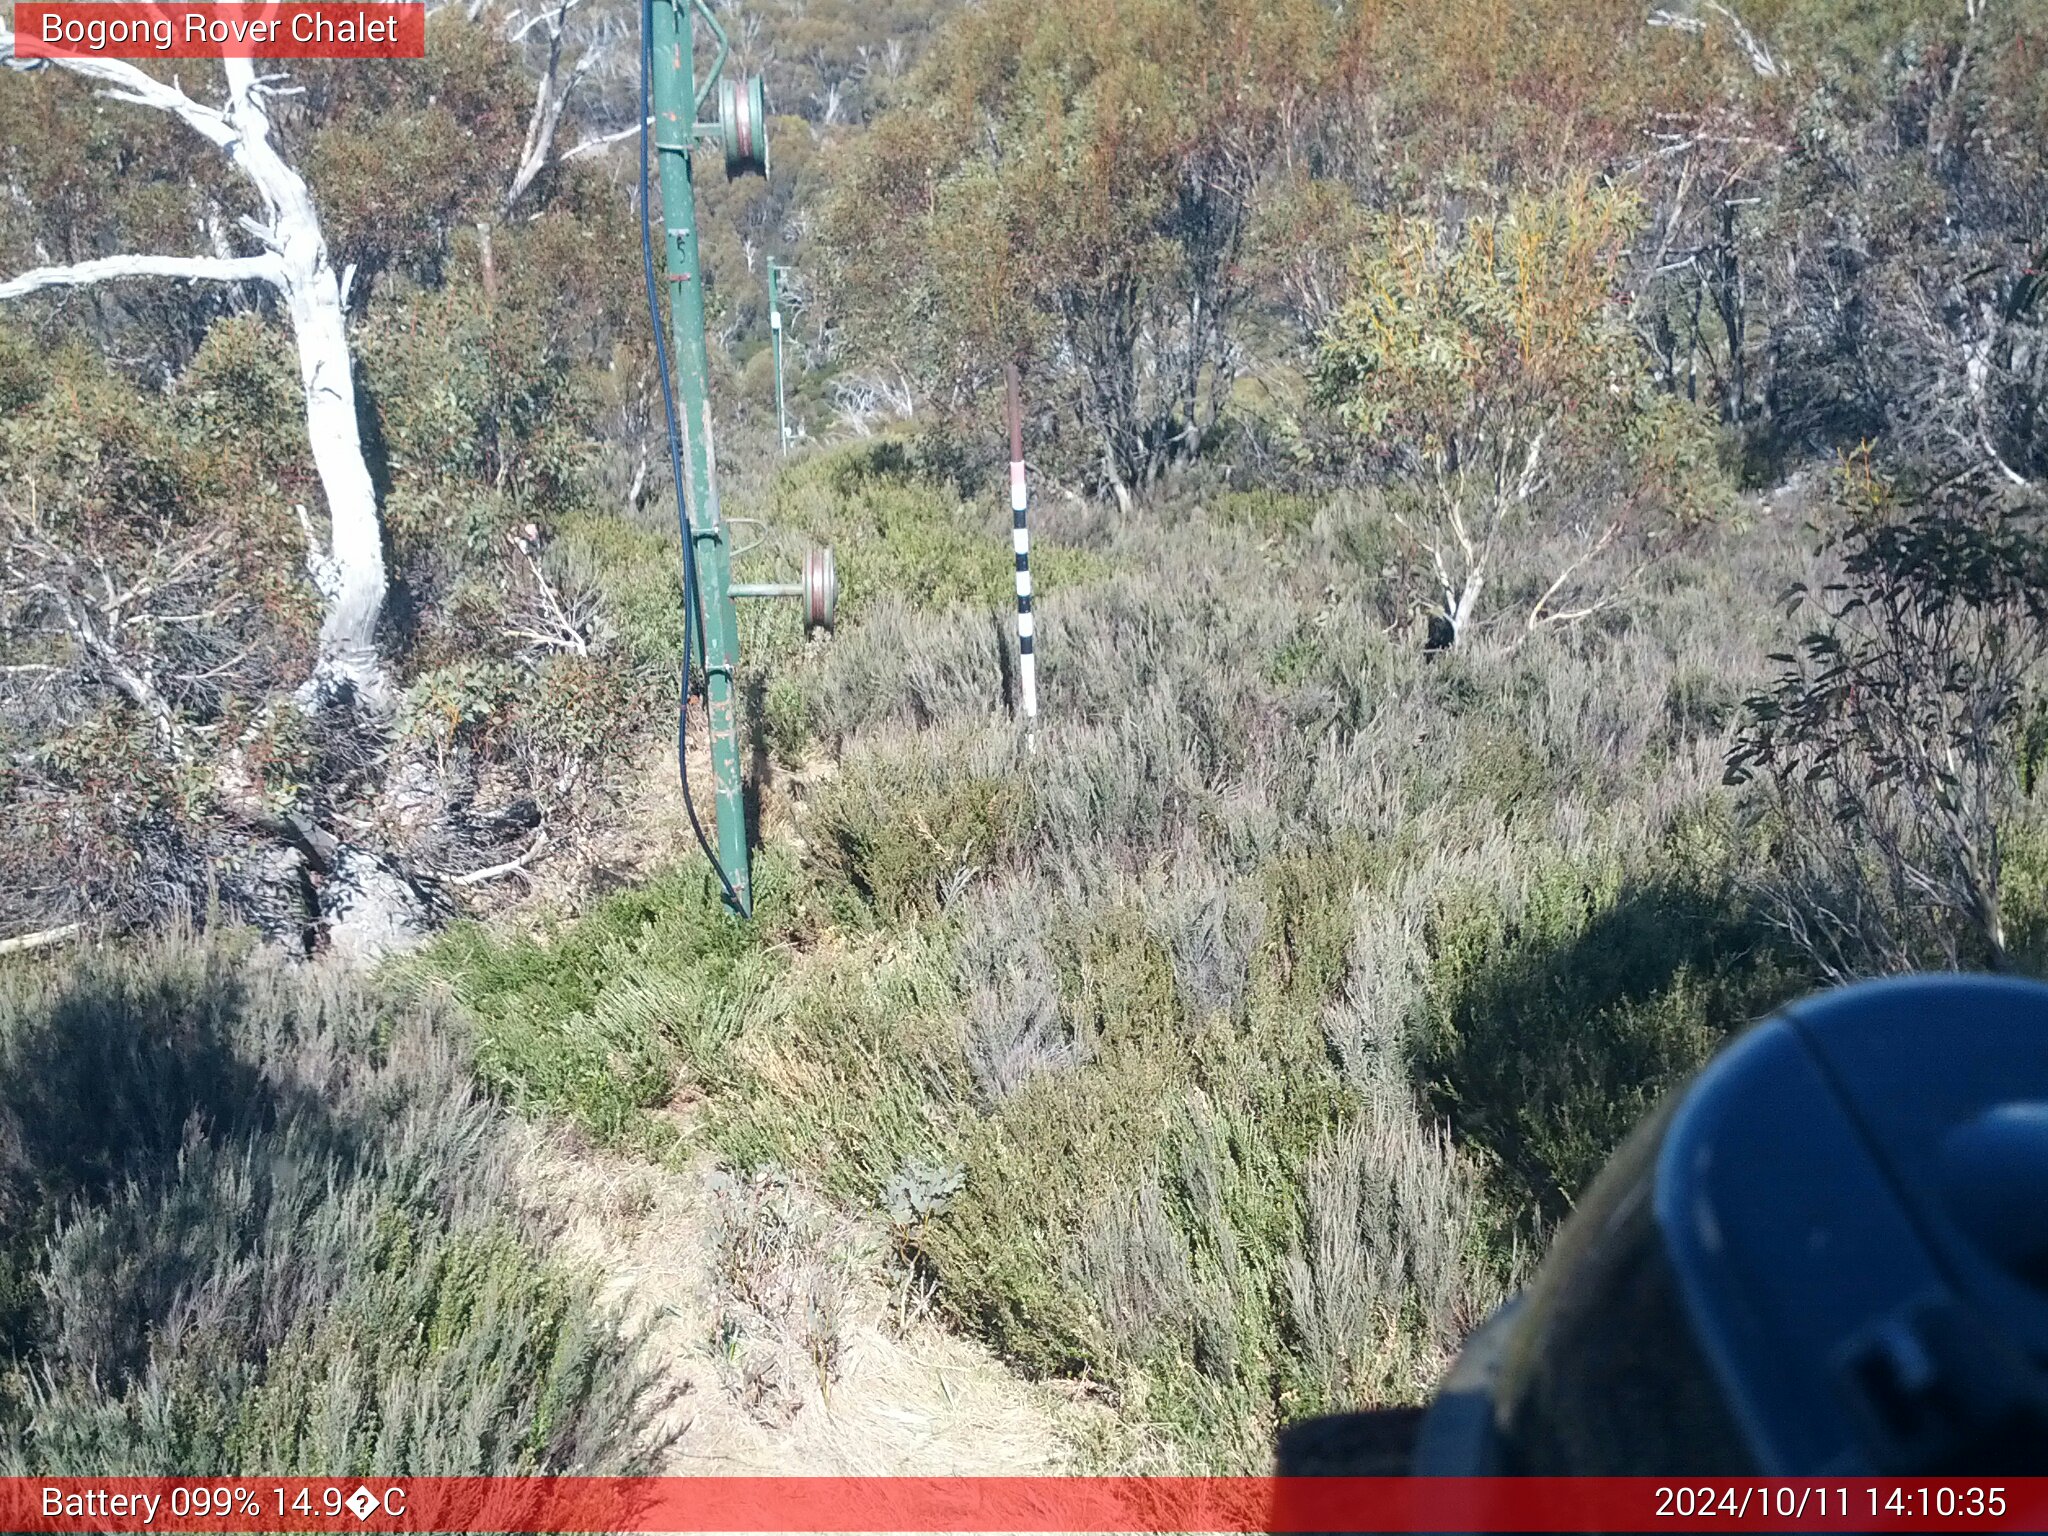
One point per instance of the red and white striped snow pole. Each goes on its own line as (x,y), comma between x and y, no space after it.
(1020,539)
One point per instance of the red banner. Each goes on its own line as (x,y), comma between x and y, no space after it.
(1023,1504)
(264,29)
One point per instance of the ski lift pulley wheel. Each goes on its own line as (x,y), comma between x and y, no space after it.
(821,590)
(743,125)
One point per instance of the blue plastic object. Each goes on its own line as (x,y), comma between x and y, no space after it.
(1828,1254)
(1855,1201)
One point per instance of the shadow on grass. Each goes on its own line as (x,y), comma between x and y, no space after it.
(1551,1036)
(257,1219)
(106,1091)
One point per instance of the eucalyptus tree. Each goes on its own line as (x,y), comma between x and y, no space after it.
(289,257)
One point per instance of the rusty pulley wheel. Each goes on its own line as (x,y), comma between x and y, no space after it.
(743,125)
(821,591)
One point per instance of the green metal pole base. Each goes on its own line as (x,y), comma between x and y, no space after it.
(675,134)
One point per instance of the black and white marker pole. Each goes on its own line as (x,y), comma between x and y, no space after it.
(1020,539)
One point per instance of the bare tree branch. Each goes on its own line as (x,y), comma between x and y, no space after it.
(296,264)
(601,140)
(21,943)
(1759,55)
(554,624)
(550,99)
(509,867)
(126,82)
(232,269)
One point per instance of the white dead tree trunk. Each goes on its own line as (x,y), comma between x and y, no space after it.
(1753,47)
(349,570)
(1482,484)
(550,98)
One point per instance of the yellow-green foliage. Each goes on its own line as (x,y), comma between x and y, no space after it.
(402,154)
(903,532)
(1058,182)
(899,829)
(595,1020)
(2025,896)
(640,573)
(1466,347)
(501,389)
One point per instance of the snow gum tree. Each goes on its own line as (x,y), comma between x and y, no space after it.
(1489,369)
(292,259)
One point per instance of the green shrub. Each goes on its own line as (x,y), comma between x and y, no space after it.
(639,575)
(156,592)
(788,719)
(242,392)
(1000,1251)
(23,378)
(452,705)
(1231,992)
(1697,704)
(906,831)
(1310,894)
(898,532)
(2026,896)
(1503,767)
(494,389)
(1117,978)
(847,1066)
(598,1019)
(1266,513)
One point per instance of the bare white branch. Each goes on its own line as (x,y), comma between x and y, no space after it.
(601,140)
(509,867)
(297,264)
(21,943)
(126,82)
(1753,47)
(549,18)
(216,269)
(550,99)
(555,624)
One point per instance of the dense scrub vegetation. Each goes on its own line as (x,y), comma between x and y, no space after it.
(1431,408)
(1238,1045)
(255,1222)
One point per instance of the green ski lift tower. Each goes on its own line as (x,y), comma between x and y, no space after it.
(738,134)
